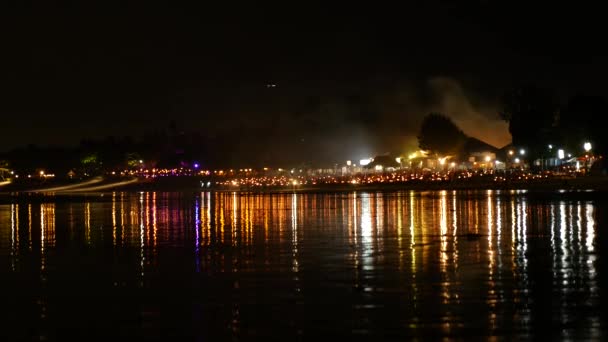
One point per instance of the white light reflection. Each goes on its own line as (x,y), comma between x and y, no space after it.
(592,257)
(294,233)
(366,220)
(524,228)
(590,231)
(562,237)
(366,231)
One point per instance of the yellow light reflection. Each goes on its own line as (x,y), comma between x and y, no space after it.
(294,228)
(14,254)
(443,234)
(87,222)
(114,219)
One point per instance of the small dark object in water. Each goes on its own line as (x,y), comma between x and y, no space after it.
(472,236)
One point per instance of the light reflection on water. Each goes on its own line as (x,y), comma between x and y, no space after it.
(382,264)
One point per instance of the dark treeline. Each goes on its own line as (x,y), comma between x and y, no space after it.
(536,120)
(168,148)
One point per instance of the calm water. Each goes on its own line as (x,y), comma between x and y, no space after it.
(228,266)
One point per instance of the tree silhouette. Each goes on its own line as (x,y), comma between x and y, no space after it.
(91,164)
(581,121)
(440,135)
(531,113)
(3,168)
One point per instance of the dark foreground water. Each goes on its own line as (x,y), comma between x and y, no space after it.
(230,266)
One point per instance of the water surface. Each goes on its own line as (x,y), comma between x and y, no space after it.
(236,266)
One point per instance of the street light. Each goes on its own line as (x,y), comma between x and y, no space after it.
(522,151)
(587,146)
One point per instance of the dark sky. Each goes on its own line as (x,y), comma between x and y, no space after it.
(351,81)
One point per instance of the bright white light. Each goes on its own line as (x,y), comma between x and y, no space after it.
(398,160)
(511,152)
(364,162)
(516,160)
(488,158)
(522,151)
(141,161)
(379,167)
(587,146)
(452,164)
(349,163)
(560,154)
(550,146)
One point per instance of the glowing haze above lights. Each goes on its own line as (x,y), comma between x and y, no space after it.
(418,154)
(560,154)
(364,162)
(587,146)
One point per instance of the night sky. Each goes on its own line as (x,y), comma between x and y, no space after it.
(350,81)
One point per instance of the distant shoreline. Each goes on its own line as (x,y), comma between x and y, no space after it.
(597,184)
